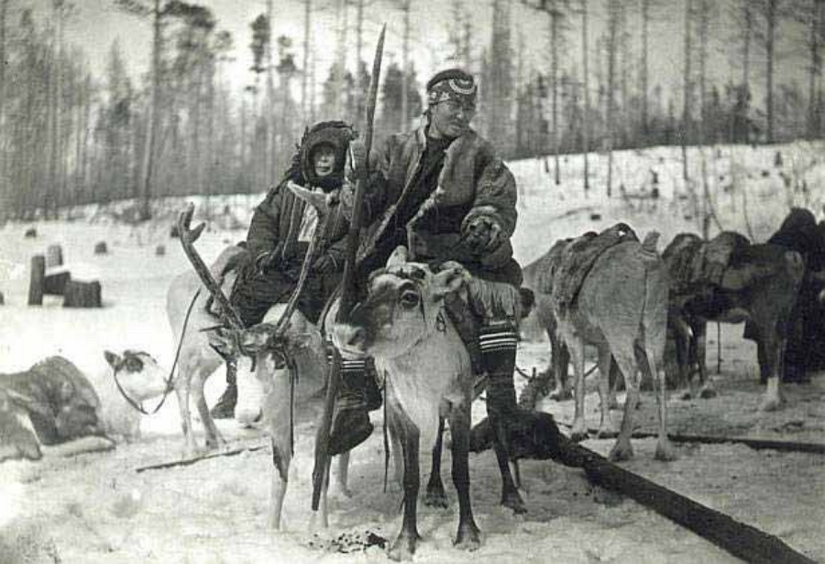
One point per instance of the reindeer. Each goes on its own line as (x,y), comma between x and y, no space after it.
(140,378)
(759,286)
(621,309)
(270,358)
(403,325)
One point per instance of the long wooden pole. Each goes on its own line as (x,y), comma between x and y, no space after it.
(348,281)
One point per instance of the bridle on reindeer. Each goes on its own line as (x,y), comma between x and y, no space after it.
(227,312)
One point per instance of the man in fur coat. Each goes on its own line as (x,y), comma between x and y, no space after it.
(446,185)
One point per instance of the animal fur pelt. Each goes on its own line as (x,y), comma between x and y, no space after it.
(695,262)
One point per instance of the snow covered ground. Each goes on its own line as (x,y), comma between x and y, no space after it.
(96,508)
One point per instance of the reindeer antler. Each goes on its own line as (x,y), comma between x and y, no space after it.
(187,240)
(322,205)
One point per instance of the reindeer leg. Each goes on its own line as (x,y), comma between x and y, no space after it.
(435,487)
(625,358)
(281,458)
(320,518)
(705,387)
(407,540)
(468,536)
(606,428)
(214,439)
(579,430)
(342,475)
(510,496)
(561,360)
(664,448)
(182,393)
(772,352)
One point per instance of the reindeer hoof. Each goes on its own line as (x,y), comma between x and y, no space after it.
(436,497)
(468,537)
(771,404)
(621,451)
(665,452)
(404,546)
(707,393)
(578,436)
(512,500)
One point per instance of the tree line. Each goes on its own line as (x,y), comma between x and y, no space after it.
(72,136)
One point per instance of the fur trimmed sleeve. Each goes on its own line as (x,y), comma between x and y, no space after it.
(495,197)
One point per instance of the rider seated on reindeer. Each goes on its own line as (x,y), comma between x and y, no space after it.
(279,234)
(443,191)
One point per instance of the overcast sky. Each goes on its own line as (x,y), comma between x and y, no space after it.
(95,24)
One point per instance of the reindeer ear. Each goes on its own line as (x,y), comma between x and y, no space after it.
(449,279)
(398,256)
(113,359)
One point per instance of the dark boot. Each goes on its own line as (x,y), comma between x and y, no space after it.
(225,408)
(357,395)
(527,434)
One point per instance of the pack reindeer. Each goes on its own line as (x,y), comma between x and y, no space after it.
(620,308)
(758,284)
(402,323)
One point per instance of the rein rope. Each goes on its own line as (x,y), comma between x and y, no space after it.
(169,384)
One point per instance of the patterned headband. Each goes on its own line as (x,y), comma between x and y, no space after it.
(462,91)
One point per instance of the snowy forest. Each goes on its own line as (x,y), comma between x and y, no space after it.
(71,135)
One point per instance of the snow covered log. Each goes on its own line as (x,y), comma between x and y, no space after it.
(741,540)
(37,274)
(54,256)
(54,283)
(82,294)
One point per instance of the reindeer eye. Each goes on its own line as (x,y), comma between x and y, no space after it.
(134,364)
(409,299)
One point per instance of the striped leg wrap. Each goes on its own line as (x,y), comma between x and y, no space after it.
(498,353)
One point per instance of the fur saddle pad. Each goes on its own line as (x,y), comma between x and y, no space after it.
(577,258)
(693,261)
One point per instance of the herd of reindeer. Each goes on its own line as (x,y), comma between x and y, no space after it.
(608,290)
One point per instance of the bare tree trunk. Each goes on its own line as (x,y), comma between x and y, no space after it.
(686,91)
(342,56)
(305,66)
(704,7)
(405,54)
(612,47)
(5,190)
(643,71)
(153,121)
(815,71)
(269,158)
(554,74)
(770,17)
(586,132)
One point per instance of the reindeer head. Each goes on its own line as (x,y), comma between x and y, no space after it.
(265,354)
(140,375)
(403,305)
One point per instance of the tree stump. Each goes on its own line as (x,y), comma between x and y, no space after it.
(37,275)
(160,251)
(54,284)
(30,233)
(173,232)
(82,294)
(54,256)
(101,248)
